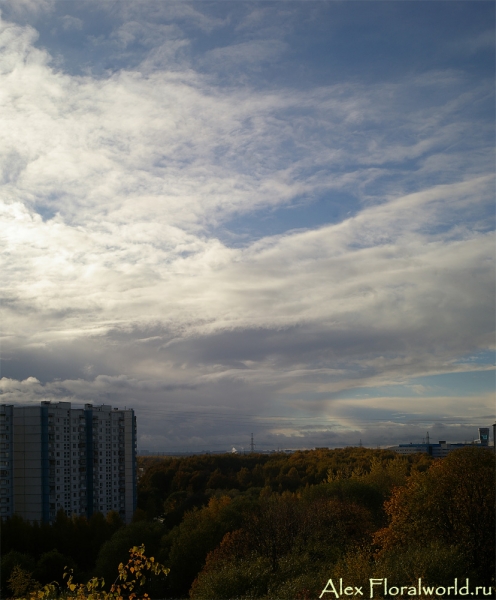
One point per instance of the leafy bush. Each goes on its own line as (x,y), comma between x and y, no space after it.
(130,582)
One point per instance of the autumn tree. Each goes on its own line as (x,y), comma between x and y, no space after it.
(281,547)
(452,502)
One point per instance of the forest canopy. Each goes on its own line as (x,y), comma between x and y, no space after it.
(281,525)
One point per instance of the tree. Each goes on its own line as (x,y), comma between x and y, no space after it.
(189,543)
(433,562)
(115,550)
(282,547)
(21,582)
(130,582)
(10,561)
(452,502)
(51,566)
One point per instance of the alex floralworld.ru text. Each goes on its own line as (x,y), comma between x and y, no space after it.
(338,589)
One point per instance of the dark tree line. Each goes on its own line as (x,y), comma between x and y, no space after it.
(170,486)
(44,550)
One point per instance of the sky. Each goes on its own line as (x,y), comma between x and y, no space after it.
(245,217)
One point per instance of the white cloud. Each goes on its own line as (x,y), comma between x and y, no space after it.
(112,188)
(27,9)
(130,162)
(71,23)
(245,54)
(151,12)
(189,154)
(484,40)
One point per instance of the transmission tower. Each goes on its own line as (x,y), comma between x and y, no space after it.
(252,445)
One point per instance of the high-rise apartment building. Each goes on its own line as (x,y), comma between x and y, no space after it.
(81,460)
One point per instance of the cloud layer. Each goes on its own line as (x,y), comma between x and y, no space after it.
(127,280)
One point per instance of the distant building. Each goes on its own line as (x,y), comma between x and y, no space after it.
(442,448)
(56,457)
(484,436)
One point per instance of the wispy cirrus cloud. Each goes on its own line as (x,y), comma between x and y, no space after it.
(202,154)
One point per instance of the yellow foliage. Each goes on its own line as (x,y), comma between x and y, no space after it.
(138,566)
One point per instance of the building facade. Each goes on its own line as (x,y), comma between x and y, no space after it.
(81,460)
(443,448)
(6,475)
